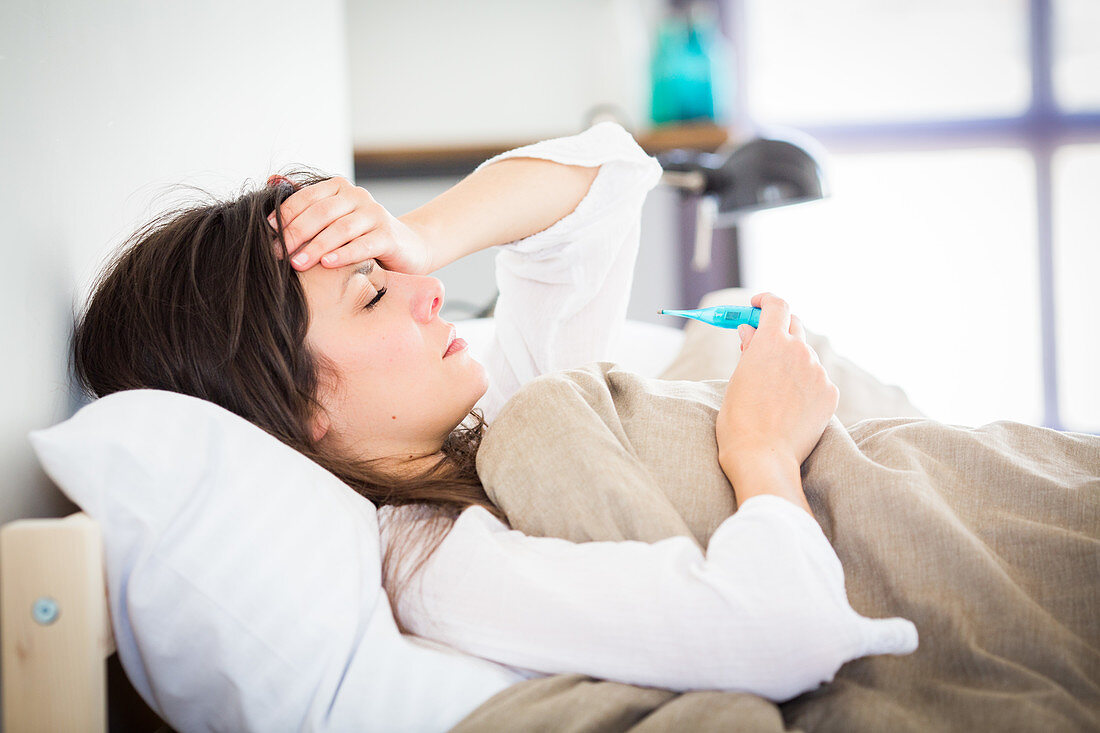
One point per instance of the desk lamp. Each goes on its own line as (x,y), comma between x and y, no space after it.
(762,173)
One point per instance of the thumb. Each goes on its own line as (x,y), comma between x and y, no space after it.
(745,331)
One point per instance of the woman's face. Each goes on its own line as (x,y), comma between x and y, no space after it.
(394,394)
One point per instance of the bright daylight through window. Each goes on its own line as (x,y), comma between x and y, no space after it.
(958,252)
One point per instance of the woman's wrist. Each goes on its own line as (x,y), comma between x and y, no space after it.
(765,472)
(433,243)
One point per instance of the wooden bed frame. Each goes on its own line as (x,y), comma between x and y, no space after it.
(59,667)
(55,626)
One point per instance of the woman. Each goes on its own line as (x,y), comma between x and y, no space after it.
(306,308)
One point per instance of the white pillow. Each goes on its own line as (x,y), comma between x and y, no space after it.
(243,579)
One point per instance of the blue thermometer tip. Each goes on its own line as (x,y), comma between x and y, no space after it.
(723,316)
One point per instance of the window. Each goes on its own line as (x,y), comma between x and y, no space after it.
(875,60)
(1077,54)
(1076,269)
(958,252)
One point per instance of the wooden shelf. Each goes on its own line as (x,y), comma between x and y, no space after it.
(459,160)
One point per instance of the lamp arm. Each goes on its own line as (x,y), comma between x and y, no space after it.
(706,213)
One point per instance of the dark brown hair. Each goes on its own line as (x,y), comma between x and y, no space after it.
(197,302)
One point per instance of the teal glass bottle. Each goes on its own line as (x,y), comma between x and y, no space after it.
(665,71)
(690,70)
(696,92)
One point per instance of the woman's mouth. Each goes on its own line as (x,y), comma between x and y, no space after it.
(456,345)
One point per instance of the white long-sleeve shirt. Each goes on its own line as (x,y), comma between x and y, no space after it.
(763,610)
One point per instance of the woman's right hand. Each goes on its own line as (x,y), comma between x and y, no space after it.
(337,223)
(779,399)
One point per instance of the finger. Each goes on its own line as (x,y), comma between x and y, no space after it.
(279,247)
(357,250)
(310,194)
(301,217)
(332,238)
(305,197)
(775,314)
(796,328)
(745,331)
(312,222)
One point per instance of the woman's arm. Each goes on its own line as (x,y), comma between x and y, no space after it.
(500,203)
(336,223)
(563,290)
(764,611)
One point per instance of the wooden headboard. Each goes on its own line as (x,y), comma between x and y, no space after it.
(55,627)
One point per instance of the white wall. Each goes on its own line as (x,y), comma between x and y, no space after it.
(103,107)
(439,71)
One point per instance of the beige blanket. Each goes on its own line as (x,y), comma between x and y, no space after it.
(987,538)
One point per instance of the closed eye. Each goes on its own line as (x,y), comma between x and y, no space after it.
(377,298)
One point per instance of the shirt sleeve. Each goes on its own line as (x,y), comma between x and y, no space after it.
(563,291)
(763,611)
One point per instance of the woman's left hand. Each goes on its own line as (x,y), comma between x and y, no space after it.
(337,223)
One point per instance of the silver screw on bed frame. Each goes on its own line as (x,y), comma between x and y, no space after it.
(45,611)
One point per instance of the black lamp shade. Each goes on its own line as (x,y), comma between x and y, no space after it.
(765,173)
(760,174)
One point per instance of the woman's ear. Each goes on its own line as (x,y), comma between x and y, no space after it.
(319,425)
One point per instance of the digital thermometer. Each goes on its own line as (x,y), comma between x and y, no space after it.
(723,316)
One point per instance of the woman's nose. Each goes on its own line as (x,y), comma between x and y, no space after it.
(429,299)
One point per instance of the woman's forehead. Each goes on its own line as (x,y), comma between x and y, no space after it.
(366,267)
(335,282)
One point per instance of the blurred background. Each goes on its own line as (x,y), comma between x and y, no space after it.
(953,249)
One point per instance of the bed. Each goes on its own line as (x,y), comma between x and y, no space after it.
(59,625)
